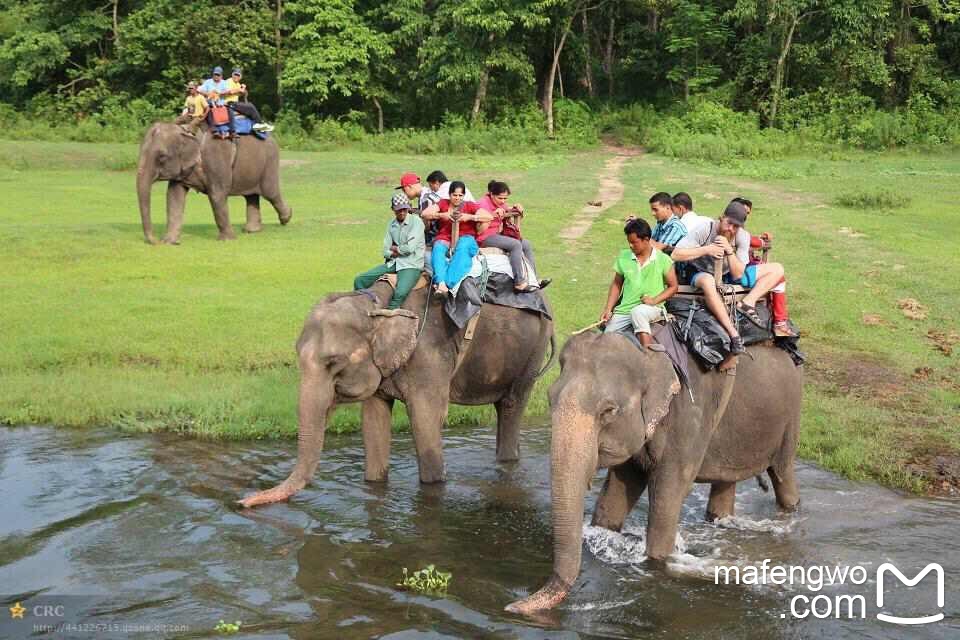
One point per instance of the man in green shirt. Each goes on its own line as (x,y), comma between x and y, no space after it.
(644,278)
(403,248)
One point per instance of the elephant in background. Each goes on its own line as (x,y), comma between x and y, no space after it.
(219,168)
(619,407)
(352,350)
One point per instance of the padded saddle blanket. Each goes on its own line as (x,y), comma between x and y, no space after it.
(468,299)
(699,330)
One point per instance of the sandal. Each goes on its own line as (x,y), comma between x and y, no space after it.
(750,313)
(783,329)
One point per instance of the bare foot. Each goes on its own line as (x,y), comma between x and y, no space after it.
(443,289)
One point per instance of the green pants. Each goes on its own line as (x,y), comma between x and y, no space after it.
(406,279)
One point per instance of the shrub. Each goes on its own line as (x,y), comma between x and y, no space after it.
(878,199)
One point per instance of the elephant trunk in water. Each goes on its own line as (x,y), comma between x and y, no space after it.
(314,409)
(145,178)
(573,462)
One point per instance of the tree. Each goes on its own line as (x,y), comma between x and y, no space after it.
(695,36)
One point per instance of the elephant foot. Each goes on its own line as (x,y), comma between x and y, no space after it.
(284,219)
(548,597)
(252,229)
(227,235)
(279,493)
(171,240)
(710,516)
(151,239)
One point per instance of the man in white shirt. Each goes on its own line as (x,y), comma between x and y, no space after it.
(683,209)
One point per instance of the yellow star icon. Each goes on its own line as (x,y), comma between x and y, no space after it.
(16,611)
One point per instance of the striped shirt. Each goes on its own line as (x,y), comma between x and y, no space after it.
(670,231)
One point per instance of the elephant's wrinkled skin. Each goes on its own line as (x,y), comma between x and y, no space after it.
(348,356)
(218,168)
(609,409)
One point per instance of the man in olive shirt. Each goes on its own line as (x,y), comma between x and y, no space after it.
(644,278)
(403,249)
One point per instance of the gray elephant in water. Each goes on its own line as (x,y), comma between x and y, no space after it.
(218,168)
(619,407)
(352,350)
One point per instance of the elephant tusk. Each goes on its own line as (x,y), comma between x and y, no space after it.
(390,313)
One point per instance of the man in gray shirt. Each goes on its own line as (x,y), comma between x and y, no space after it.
(403,250)
(704,243)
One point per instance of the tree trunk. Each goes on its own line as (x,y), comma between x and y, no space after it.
(481,95)
(116,24)
(777,85)
(482,87)
(588,61)
(608,54)
(379,107)
(277,63)
(552,75)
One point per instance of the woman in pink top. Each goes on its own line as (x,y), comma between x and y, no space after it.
(489,234)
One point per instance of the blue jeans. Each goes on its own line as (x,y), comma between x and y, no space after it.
(452,271)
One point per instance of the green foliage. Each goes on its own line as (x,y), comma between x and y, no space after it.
(873,73)
(872,200)
(428,580)
(228,628)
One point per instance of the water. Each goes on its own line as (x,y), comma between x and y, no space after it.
(137,535)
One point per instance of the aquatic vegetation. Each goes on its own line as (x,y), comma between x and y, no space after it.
(228,627)
(428,580)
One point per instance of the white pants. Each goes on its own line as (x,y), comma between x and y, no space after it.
(639,318)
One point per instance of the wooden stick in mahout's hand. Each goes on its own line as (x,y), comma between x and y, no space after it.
(455,234)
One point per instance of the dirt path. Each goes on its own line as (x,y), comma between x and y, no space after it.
(609,194)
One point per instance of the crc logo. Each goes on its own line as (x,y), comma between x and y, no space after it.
(886,567)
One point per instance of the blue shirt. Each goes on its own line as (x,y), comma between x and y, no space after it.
(212,85)
(669,232)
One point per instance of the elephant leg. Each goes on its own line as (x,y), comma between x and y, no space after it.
(284,212)
(785,488)
(427,413)
(176,198)
(253,214)
(669,486)
(624,485)
(509,412)
(723,497)
(377,418)
(221,215)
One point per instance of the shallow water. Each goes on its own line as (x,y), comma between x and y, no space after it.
(137,535)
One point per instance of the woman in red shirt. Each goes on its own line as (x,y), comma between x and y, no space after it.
(491,234)
(447,272)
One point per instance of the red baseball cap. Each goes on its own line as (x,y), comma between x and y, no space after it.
(408,179)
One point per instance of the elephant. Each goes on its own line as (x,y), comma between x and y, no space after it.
(353,350)
(219,168)
(651,435)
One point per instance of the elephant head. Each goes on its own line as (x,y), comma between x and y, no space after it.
(168,153)
(606,405)
(347,347)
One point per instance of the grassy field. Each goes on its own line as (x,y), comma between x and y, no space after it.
(99,328)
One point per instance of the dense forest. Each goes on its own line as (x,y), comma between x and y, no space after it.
(386,65)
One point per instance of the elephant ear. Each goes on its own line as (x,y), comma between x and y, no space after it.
(188,152)
(393,340)
(662,385)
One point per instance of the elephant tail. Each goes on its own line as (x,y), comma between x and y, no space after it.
(552,359)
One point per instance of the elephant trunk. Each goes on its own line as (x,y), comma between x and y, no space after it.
(146,175)
(573,460)
(315,407)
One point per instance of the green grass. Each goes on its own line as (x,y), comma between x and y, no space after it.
(99,328)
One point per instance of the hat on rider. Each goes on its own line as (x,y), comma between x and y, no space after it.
(218,71)
(399,201)
(408,179)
